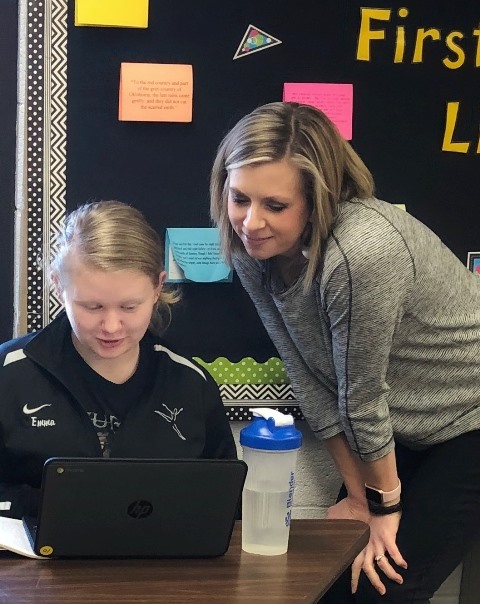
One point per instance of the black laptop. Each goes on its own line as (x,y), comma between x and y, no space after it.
(136,507)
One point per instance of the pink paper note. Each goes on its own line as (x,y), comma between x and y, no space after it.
(335,100)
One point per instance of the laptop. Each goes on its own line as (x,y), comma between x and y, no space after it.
(175,508)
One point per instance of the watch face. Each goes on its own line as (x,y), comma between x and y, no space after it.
(373,495)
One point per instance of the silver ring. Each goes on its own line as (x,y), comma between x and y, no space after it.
(379,557)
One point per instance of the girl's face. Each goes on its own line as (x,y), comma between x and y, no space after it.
(267,208)
(109,311)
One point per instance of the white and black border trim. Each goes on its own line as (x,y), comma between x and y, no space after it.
(239,398)
(46,113)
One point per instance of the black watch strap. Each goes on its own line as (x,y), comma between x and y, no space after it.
(383,510)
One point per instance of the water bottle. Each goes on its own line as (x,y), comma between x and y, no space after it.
(270,445)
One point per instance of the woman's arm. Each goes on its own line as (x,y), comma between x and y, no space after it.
(366,287)
(381,474)
(348,465)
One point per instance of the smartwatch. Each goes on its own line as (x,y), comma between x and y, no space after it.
(379,497)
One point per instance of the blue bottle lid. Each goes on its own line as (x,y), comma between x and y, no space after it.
(271,431)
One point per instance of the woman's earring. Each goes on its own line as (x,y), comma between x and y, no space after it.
(306,252)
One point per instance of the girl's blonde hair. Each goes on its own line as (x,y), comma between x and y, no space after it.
(114,236)
(331,171)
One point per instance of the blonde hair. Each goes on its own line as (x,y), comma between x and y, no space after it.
(331,171)
(114,236)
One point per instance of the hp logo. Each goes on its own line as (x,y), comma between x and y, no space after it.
(140,509)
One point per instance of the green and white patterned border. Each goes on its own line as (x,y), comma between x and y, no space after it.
(248,384)
(246,371)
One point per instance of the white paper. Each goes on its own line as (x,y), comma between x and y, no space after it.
(14,538)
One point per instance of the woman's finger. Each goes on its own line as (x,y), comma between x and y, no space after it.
(396,556)
(356,570)
(383,564)
(370,569)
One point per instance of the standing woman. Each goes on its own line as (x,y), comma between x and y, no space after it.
(98,380)
(378,324)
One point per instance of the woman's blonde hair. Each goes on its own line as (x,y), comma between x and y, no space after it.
(114,236)
(330,170)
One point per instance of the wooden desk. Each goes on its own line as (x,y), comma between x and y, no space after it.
(319,551)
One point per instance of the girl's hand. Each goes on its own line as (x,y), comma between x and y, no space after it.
(377,554)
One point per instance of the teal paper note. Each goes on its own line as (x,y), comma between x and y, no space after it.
(193,254)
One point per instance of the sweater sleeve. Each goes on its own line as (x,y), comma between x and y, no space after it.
(365,295)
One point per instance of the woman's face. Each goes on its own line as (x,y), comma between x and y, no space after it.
(109,311)
(267,208)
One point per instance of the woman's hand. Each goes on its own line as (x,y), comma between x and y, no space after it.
(375,557)
(349,509)
(382,473)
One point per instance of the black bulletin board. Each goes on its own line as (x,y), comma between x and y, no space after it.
(8,108)
(398,126)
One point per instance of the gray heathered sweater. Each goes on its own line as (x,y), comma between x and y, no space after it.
(386,343)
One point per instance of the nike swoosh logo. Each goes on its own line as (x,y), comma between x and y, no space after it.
(28,411)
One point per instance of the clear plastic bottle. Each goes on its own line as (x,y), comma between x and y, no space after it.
(270,446)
